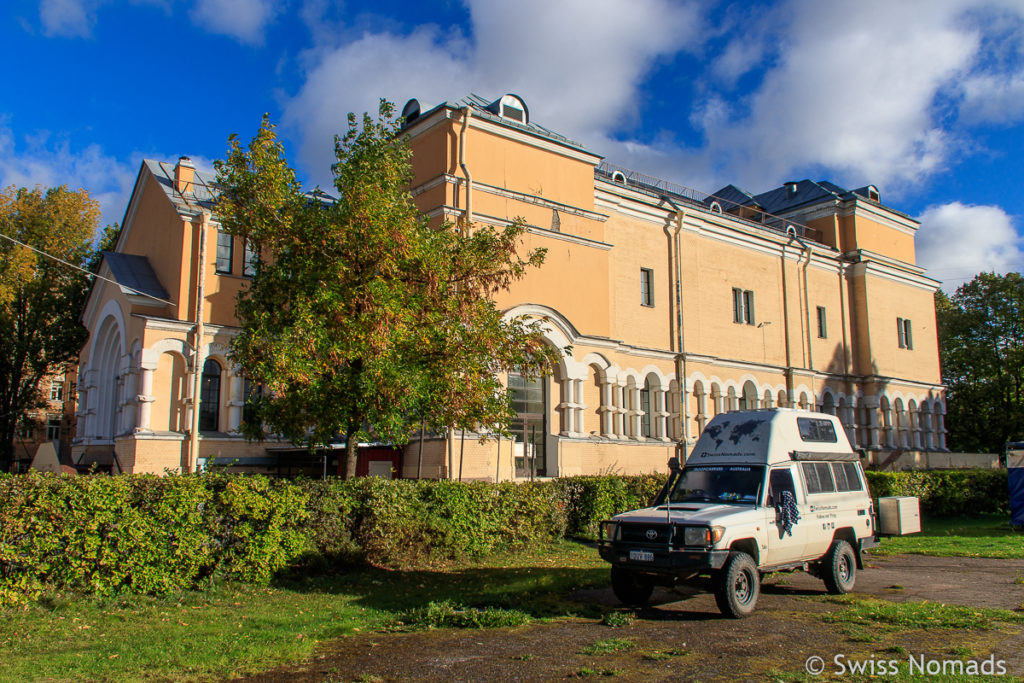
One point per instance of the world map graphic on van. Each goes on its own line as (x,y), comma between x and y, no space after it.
(735,432)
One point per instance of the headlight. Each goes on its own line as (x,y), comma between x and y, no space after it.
(695,535)
(702,535)
(610,531)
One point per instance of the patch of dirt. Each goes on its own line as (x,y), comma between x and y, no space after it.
(684,638)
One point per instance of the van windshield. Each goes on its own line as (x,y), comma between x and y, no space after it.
(719,484)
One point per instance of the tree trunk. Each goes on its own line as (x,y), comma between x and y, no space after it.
(348,465)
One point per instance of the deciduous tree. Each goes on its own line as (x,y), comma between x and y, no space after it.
(40,298)
(363,319)
(981,346)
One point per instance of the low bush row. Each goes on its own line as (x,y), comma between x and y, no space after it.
(946,493)
(143,533)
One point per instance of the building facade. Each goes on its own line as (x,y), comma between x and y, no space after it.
(669,305)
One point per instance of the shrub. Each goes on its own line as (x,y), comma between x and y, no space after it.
(946,493)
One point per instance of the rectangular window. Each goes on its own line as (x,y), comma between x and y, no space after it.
(53,429)
(56,390)
(904,334)
(846,476)
(822,323)
(225,249)
(248,260)
(818,476)
(646,287)
(742,306)
(816,430)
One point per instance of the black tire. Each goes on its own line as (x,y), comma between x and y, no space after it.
(839,568)
(738,585)
(630,588)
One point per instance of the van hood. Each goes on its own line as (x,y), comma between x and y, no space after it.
(688,513)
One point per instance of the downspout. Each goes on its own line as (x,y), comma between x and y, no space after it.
(785,329)
(680,350)
(468,216)
(197,367)
(806,305)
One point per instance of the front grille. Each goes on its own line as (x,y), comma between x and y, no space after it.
(647,534)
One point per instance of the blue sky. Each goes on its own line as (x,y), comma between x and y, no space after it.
(924,99)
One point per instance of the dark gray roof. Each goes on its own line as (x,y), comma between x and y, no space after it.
(730,197)
(134,274)
(486,109)
(781,200)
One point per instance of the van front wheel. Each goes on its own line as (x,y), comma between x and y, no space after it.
(839,568)
(738,586)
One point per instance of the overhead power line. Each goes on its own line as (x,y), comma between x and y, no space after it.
(87,273)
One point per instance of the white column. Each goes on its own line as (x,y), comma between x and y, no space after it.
(635,413)
(145,398)
(619,392)
(940,430)
(577,417)
(607,409)
(871,406)
(236,401)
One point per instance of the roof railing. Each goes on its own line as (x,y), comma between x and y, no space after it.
(657,187)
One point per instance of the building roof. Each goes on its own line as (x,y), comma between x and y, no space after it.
(134,274)
(486,109)
(199,194)
(731,197)
(782,199)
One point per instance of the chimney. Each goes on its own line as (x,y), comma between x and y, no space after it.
(791,187)
(184,175)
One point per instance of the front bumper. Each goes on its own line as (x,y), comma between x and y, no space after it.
(674,562)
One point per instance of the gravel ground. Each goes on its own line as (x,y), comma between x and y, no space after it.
(684,638)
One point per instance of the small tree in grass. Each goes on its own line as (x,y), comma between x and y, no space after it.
(362,319)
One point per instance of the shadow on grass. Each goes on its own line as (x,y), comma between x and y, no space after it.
(537,582)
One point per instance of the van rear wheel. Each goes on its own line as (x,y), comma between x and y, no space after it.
(738,586)
(630,588)
(839,568)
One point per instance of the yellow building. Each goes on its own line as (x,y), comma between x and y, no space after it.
(806,295)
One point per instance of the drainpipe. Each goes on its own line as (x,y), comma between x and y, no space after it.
(197,366)
(807,312)
(680,350)
(468,217)
(785,329)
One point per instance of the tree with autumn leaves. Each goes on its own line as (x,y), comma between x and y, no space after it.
(40,297)
(362,318)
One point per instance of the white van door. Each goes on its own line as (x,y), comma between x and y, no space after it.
(786,517)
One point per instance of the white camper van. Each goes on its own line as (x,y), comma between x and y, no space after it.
(762,490)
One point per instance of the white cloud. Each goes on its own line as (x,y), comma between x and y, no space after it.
(40,161)
(956,241)
(245,20)
(578,64)
(68,18)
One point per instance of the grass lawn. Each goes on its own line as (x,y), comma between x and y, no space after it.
(982,536)
(234,629)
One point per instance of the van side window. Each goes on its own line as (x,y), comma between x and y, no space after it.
(814,429)
(780,480)
(847,478)
(818,476)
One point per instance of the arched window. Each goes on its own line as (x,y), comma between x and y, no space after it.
(209,397)
(748,401)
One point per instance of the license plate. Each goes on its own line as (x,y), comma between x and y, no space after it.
(641,555)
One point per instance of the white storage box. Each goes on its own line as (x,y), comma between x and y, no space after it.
(899,515)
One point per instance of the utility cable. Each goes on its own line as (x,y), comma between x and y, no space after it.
(88,273)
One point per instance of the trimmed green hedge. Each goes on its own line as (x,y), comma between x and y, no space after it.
(946,493)
(149,534)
